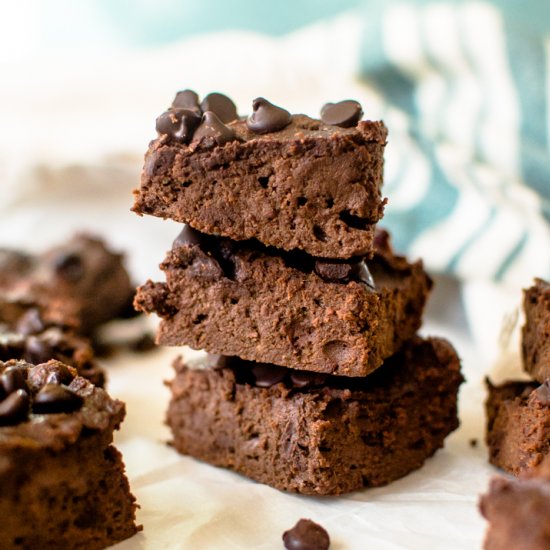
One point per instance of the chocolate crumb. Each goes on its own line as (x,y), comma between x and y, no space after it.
(473,442)
(306,535)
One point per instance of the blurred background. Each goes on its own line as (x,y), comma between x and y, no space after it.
(463,86)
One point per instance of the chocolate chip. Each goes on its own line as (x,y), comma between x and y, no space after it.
(266,375)
(179,124)
(220,104)
(543,393)
(69,266)
(13,379)
(55,398)
(15,408)
(190,237)
(187,99)
(345,114)
(306,535)
(212,131)
(343,272)
(305,379)
(30,322)
(38,350)
(267,117)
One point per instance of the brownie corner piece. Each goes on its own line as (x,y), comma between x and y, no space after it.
(310,185)
(518,511)
(318,434)
(518,425)
(536,330)
(63,482)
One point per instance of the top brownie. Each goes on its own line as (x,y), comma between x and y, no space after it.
(289,181)
(536,331)
(79,284)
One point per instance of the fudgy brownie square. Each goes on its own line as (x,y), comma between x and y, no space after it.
(318,434)
(80,283)
(536,331)
(63,482)
(518,511)
(518,425)
(287,181)
(258,303)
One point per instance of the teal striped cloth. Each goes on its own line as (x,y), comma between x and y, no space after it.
(470,84)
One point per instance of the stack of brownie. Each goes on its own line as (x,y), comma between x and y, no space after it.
(322,385)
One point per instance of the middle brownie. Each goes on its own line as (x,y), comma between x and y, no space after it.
(290,309)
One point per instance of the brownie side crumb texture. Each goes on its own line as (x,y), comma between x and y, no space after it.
(63,483)
(518,511)
(261,305)
(518,425)
(310,185)
(80,283)
(328,439)
(536,331)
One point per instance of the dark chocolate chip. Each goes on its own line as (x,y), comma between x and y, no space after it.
(305,379)
(345,114)
(15,408)
(30,322)
(190,237)
(267,117)
(342,272)
(543,393)
(54,398)
(69,266)
(13,379)
(220,104)
(266,375)
(212,131)
(179,124)
(38,350)
(306,535)
(187,99)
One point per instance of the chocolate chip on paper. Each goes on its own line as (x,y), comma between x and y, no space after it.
(345,114)
(267,117)
(306,535)
(220,104)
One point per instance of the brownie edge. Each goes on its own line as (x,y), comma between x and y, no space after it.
(325,440)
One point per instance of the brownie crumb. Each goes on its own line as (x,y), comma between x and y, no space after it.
(306,535)
(473,442)
(144,343)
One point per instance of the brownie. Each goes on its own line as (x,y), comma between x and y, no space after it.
(80,283)
(518,425)
(63,482)
(536,331)
(36,342)
(318,434)
(310,185)
(518,511)
(289,309)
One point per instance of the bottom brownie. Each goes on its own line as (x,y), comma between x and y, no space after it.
(518,425)
(318,434)
(63,483)
(518,511)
